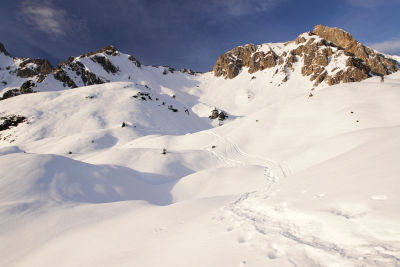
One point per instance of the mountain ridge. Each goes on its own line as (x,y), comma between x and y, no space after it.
(326,56)
(26,75)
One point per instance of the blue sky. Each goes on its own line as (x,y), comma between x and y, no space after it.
(187,33)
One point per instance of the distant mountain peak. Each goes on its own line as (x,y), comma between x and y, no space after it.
(108,49)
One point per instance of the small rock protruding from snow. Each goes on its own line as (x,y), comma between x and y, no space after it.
(6,122)
(218,114)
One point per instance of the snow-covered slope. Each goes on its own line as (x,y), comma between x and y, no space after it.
(132,172)
(95,115)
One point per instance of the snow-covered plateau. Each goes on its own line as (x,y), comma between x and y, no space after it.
(134,172)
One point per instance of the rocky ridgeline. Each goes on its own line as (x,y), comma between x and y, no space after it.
(377,63)
(29,68)
(328,55)
(73,65)
(71,73)
(26,88)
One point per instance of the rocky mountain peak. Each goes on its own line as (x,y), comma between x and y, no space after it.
(337,36)
(326,55)
(377,63)
(108,49)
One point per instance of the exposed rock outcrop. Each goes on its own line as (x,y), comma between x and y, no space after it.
(62,76)
(317,55)
(26,88)
(166,70)
(326,55)
(3,50)
(10,93)
(74,65)
(135,61)
(6,122)
(230,63)
(188,71)
(32,67)
(88,78)
(218,114)
(111,51)
(105,63)
(376,62)
(108,49)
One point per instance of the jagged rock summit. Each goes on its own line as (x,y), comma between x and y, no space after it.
(377,63)
(327,55)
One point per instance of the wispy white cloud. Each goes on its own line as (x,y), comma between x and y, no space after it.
(44,16)
(392,46)
(245,7)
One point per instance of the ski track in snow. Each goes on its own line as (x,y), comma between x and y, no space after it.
(284,229)
(233,150)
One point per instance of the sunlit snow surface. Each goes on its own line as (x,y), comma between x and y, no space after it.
(288,180)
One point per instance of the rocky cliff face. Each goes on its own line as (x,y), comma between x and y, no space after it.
(73,67)
(3,50)
(20,75)
(326,55)
(230,64)
(377,63)
(32,67)
(75,71)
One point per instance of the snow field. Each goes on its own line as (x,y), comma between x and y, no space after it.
(291,179)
